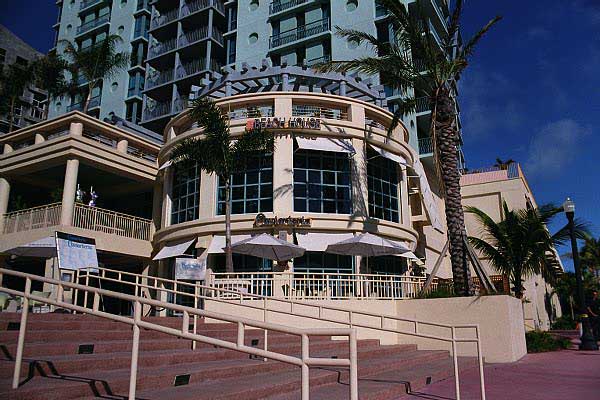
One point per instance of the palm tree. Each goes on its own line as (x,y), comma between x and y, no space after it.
(520,245)
(503,164)
(217,153)
(590,255)
(93,64)
(13,82)
(400,64)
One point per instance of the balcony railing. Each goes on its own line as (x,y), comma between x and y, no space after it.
(425,145)
(162,48)
(194,6)
(157,110)
(194,36)
(93,24)
(279,6)
(88,3)
(423,105)
(94,102)
(251,112)
(159,78)
(315,61)
(163,19)
(301,110)
(301,32)
(111,222)
(307,285)
(32,218)
(190,68)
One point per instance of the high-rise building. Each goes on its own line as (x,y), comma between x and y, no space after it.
(31,106)
(177,44)
(87,22)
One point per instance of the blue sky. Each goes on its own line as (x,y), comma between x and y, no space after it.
(531,92)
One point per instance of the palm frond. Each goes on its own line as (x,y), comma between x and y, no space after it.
(468,49)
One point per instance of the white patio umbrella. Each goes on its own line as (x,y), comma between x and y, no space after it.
(42,248)
(268,246)
(367,245)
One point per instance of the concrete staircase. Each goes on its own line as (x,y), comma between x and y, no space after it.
(54,369)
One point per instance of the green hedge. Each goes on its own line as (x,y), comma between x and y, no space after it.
(539,342)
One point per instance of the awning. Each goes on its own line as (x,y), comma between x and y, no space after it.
(428,199)
(325,144)
(390,156)
(218,242)
(173,250)
(43,248)
(313,241)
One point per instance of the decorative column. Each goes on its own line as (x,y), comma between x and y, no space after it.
(4,195)
(69,190)
(157,204)
(166,196)
(283,162)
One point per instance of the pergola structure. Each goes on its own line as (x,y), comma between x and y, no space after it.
(289,78)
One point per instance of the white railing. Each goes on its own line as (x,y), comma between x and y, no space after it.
(196,294)
(312,286)
(305,361)
(307,110)
(32,218)
(107,221)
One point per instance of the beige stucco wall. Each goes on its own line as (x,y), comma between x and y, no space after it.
(500,319)
(487,193)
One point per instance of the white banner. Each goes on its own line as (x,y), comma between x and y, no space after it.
(190,269)
(75,252)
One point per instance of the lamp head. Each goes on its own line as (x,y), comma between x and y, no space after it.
(569,206)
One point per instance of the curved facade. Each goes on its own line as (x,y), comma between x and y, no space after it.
(327,167)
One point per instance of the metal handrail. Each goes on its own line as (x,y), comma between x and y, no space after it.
(350,321)
(305,361)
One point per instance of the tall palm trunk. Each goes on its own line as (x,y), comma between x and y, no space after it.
(11,114)
(88,97)
(228,252)
(446,140)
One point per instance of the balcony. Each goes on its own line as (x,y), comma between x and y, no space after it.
(299,33)
(190,68)
(279,6)
(93,24)
(162,48)
(157,110)
(89,3)
(94,102)
(84,217)
(314,61)
(158,78)
(197,5)
(163,19)
(425,146)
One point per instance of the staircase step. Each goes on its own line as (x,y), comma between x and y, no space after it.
(386,384)
(79,383)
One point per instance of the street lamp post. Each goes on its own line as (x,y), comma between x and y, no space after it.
(588,342)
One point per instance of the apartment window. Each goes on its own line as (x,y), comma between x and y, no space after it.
(251,192)
(382,177)
(231,50)
(185,194)
(142,4)
(322,182)
(320,262)
(133,112)
(142,25)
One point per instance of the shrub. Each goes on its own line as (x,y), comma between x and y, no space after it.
(539,342)
(440,292)
(564,323)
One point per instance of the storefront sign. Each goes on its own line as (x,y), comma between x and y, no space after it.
(190,269)
(284,123)
(75,252)
(261,220)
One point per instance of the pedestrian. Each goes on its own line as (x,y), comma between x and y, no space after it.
(593,309)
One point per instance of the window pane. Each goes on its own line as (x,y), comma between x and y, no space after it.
(383,187)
